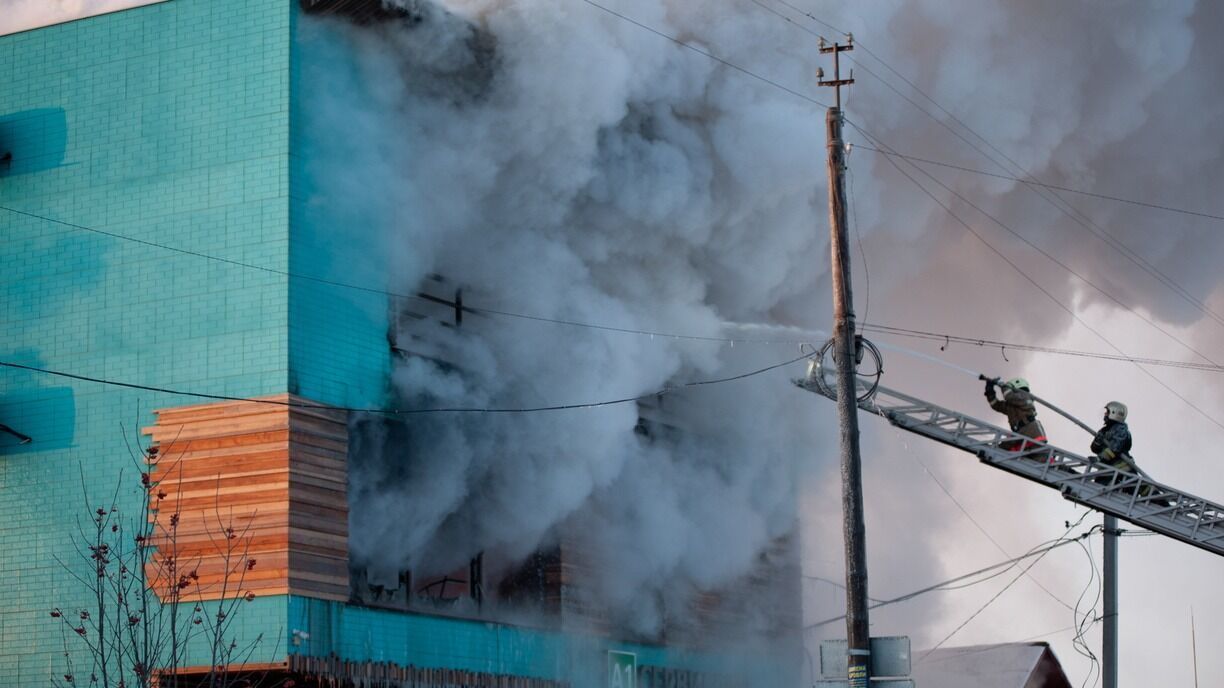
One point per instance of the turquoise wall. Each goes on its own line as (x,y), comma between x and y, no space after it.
(167,124)
(340,231)
(376,635)
(193,124)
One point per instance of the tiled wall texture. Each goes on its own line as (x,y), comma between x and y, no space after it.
(154,133)
(159,228)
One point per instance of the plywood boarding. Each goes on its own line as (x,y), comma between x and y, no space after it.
(271,470)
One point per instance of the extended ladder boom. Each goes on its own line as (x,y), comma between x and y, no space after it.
(1129,496)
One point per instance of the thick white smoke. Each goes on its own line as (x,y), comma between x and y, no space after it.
(585,170)
(576,166)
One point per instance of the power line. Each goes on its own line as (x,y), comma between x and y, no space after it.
(1073,213)
(997,595)
(858,237)
(558,321)
(883,329)
(1061,542)
(961,652)
(404,412)
(948,209)
(710,55)
(946,339)
(982,529)
(1048,256)
(832,582)
(1030,279)
(1058,202)
(1090,616)
(399,295)
(879,144)
(1044,185)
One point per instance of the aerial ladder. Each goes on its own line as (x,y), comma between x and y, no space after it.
(1130,496)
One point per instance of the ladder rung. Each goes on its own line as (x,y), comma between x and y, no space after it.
(1094,484)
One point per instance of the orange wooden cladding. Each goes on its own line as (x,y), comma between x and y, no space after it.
(274,473)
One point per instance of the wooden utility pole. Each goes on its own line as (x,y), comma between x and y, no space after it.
(858,633)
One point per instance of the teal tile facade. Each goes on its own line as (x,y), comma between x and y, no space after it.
(338,305)
(177,142)
(374,635)
(165,124)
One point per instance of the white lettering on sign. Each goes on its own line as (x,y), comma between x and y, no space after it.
(622,670)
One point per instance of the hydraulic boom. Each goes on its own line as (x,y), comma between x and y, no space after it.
(1132,497)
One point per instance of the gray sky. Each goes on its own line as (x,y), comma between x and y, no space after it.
(1116,98)
(19,15)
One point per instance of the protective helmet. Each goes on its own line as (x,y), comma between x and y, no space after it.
(1116,411)
(1017,383)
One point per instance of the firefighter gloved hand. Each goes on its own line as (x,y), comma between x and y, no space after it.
(990,389)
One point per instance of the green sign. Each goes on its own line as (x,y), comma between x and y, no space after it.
(622,669)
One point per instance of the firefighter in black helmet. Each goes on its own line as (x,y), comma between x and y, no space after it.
(1017,403)
(1112,443)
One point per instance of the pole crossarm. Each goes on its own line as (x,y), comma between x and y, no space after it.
(1132,497)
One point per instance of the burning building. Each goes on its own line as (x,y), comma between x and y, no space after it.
(187,188)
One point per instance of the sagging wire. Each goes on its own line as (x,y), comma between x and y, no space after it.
(1038,551)
(667,389)
(982,529)
(1062,540)
(858,238)
(1036,284)
(1090,617)
(982,342)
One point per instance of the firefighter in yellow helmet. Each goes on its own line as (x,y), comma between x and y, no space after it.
(1017,403)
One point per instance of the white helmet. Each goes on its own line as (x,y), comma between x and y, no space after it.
(1116,411)
(1017,383)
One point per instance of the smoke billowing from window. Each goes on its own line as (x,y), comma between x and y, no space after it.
(558,161)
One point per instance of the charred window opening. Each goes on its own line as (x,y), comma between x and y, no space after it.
(655,422)
(536,583)
(362,11)
(445,56)
(460,592)
(415,321)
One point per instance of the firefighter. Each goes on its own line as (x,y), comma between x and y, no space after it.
(1112,443)
(1017,403)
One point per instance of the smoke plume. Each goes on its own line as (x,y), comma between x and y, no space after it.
(562,162)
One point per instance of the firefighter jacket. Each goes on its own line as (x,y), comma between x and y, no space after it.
(1113,443)
(1020,410)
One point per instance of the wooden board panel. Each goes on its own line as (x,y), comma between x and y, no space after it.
(276,474)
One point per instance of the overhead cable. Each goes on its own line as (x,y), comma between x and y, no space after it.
(659,334)
(983,342)
(1044,185)
(396,294)
(1108,342)
(1039,551)
(977,524)
(997,595)
(1049,256)
(712,56)
(409,411)
(1028,180)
